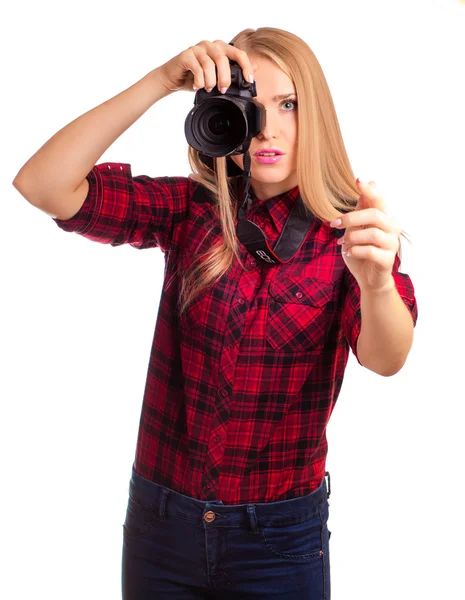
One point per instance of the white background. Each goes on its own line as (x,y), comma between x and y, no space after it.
(77,318)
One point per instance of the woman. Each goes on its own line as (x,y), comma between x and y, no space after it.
(228,496)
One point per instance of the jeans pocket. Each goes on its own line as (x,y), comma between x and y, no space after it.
(301,540)
(139,518)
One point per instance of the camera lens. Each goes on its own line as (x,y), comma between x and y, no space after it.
(218,126)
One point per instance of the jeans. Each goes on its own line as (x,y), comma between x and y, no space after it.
(178,547)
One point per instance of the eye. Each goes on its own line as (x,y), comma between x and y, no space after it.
(290,102)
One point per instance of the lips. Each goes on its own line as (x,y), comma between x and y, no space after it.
(268,151)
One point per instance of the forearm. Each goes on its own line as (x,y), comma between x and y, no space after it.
(64,161)
(386,334)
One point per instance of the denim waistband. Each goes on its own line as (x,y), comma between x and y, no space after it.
(169,503)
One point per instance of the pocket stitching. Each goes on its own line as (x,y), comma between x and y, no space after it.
(312,555)
(279,287)
(309,556)
(151,518)
(276,329)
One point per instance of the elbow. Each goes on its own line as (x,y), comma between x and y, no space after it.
(390,373)
(383,370)
(393,370)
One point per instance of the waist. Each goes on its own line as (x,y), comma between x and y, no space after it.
(168,502)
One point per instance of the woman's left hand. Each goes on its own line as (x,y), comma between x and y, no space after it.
(371,240)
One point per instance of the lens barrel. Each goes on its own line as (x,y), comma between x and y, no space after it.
(224,124)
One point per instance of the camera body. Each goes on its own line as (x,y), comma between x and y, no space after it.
(224,124)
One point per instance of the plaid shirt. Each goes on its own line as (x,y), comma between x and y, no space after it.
(240,388)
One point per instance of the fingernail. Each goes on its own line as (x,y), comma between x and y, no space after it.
(335,223)
(195,88)
(251,79)
(223,90)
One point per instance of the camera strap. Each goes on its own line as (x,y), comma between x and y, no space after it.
(254,239)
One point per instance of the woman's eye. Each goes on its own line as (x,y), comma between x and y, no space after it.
(290,102)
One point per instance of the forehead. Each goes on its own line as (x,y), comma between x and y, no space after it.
(271,82)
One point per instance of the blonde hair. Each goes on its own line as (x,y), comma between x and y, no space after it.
(325,178)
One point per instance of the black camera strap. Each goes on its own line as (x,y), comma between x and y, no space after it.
(254,239)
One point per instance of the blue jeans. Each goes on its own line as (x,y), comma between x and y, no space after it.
(178,547)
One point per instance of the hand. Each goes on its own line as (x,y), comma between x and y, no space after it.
(371,240)
(197,65)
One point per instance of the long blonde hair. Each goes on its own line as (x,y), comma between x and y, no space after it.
(325,178)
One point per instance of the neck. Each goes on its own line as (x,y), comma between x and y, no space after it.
(266,190)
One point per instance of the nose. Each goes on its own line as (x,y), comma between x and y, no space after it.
(270,128)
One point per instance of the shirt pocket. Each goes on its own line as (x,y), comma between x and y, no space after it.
(300,311)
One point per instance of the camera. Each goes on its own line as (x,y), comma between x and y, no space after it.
(224,124)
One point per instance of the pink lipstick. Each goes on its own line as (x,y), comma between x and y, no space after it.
(268,156)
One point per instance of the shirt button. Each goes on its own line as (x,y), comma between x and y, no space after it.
(240,301)
(217,438)
(299,295)
(209,516)
(224,392)
(252,263)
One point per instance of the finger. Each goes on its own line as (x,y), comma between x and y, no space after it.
(381,256)
(372,236)
(192,64)
(371,195)
(223,73)
(208,66)
(241,57)
(369,216)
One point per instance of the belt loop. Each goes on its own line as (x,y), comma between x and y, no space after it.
(329,484)
(163,495)
(252,518)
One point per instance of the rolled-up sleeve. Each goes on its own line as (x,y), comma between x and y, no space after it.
(351,312)
(141,211)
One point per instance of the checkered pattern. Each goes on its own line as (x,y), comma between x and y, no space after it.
(240,388)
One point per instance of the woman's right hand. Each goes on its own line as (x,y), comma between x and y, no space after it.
(196,67)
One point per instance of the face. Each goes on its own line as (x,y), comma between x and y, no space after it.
(280,132)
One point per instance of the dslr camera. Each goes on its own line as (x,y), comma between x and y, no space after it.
(224,124)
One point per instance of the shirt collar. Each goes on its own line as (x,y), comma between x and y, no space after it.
(278,206)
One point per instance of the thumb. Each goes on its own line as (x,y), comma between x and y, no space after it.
(361,202)
(366,194)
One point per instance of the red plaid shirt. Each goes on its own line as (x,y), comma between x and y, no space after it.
(240,389)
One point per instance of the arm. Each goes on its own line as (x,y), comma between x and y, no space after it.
(385,330)
(54,178)
(386,333)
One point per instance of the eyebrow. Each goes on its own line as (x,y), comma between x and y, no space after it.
(283,96)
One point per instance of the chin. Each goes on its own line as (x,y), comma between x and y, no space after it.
(274,177)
